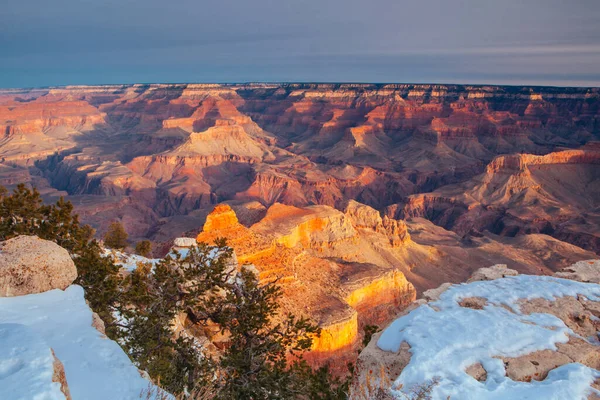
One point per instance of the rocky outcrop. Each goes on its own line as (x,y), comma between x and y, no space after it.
(519,194)
(313,253)
(582,271)
(494,272)
(364,216)
(37,129)
(30,265)
(59,376)
(521,162)
(392,365)
(184,242)
(222,217)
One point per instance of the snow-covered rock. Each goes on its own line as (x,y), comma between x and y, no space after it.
(95,367)
(30,265)
(516,337)
(184,242)
(127,261)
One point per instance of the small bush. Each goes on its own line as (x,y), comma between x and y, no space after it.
(116,236)
(144,248)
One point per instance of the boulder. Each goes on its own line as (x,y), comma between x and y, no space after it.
(434,294)
(582,271)
(184,242)
(490,273)
(31,265)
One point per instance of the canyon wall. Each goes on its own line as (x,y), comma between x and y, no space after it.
(352,197)
(305,252)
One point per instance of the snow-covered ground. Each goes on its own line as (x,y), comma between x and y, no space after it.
(26,365)
(95,367)
(128,261)
(446,338)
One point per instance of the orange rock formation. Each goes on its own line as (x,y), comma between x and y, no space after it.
(305,251)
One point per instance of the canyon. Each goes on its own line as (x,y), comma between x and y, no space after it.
(354,198)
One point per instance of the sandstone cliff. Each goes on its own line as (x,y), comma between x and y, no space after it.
(313,254)
(350,269)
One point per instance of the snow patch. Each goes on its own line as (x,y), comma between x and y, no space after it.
(26,365)
(446,338)
(128,261)
(96,368)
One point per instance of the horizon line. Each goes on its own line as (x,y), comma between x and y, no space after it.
(300,82)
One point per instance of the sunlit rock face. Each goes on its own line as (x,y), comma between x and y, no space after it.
(222,217)
(306,252)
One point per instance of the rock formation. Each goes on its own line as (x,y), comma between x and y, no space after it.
(60,377)
(343,193)
(350,269)
(556,194)
(157,152)
(312,253)
(558,336)
(51,344)
(31,265)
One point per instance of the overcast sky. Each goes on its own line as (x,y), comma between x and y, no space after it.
(535,42)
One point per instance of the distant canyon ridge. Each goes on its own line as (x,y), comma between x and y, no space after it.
(355,197)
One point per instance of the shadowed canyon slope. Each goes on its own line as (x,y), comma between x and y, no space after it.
(354,197)
(508,160)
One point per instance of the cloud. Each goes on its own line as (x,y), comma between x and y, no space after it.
(80,41)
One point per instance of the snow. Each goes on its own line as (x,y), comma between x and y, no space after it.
(128,261)
(185,251)
(95,367)
(446,338)
(26,365)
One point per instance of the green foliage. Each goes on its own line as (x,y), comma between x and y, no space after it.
(116,236)
(320,384)
(99,277)
(153,299)
(370,330)
(144,248)
(255,365)
(153,304)
(23,213)
(206,288)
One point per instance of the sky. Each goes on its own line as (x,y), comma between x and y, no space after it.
(513,42)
